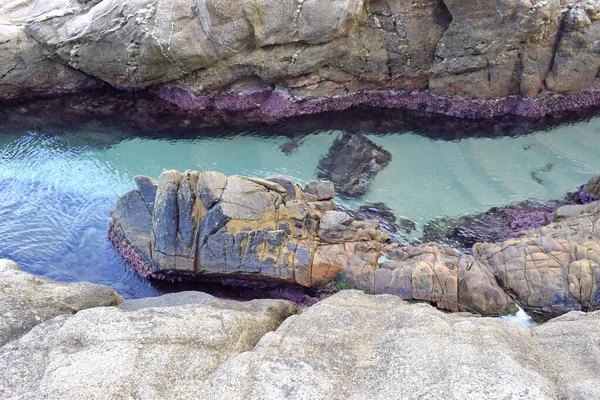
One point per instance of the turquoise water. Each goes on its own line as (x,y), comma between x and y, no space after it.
(57,186)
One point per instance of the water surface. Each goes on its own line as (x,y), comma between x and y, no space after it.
(58,184)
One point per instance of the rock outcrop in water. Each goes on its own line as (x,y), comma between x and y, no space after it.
(351,345)
(351,163)
(209,226)
(494,225)
(294,57)
(213,226)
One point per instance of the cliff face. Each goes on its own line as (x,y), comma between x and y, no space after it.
(303,48)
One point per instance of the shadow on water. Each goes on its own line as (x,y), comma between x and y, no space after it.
(116,116)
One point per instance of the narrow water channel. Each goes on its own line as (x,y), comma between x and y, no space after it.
(58,184)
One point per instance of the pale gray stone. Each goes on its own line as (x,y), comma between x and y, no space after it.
(27,300)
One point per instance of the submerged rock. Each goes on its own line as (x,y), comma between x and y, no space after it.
(27,300)
(351,163)
(495,225)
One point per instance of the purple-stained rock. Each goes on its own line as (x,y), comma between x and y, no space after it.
(495,225)
(586,197)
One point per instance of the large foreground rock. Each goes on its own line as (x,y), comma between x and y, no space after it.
(27,300)
(349,346)
(356,346)
(158,348)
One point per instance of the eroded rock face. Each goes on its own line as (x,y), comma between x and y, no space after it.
(27,300)
(306,57)
(554,269)
(440,275)
(210,225)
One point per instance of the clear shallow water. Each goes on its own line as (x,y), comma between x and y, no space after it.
(56,187)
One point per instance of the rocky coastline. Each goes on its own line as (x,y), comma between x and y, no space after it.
(350,345)
(330,303)
(198,226)
(518,58)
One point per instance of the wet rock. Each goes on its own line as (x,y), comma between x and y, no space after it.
(27,300)
(495,225)
(387,219)
(351,163)
(207,225)
(164,347)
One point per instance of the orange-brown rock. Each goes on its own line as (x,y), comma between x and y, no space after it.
(440,275)
(210,225)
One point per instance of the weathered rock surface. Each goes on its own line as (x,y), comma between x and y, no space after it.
(442,276)
(349,346)
(351,163)
(209,225)
(27,68)
(164,347)
(387,219)
(27,300)
(353,346)
(554,269)
(297,52)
